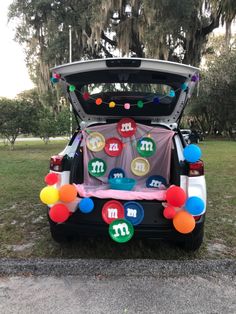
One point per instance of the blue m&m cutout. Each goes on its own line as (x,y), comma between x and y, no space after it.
(156,182)
(116,173)
(134,213)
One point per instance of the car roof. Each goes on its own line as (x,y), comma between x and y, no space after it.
(126,63)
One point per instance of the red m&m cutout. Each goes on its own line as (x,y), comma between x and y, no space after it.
(113,146)
(126,127)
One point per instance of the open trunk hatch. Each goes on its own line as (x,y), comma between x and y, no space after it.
(144,89)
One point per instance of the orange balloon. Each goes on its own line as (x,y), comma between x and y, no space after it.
(184,222)
(67,193)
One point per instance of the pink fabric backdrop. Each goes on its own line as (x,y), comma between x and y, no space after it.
(159,162)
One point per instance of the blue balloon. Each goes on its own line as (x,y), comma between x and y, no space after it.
(192,153)
(195,205)
(86,205)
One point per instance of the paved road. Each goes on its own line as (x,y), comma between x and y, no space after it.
(117,286)
(111,294)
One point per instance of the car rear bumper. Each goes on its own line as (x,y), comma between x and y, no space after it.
(154,225)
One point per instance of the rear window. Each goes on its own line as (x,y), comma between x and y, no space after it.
(127,92)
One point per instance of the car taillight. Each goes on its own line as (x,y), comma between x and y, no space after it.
(196,169)
(56,163)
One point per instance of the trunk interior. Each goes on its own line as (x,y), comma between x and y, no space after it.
(153,207)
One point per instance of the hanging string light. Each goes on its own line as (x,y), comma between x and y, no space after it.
(56,77)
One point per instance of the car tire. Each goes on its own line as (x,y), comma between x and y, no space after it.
(60,237)
(192,244)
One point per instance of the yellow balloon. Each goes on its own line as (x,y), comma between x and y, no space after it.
(49,195)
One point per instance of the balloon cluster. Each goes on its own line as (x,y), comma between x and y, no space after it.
(182,209)
(63,201)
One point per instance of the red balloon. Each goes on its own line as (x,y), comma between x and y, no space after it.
(169,212)
(175,196)
(59,213)
(51,178)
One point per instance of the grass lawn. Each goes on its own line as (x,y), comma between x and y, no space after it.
(24,230)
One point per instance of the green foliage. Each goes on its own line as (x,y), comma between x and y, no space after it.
(24,219)
(215,108)
(163,29)
(16,116)
(46,125)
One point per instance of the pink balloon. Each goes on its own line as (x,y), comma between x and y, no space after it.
(169,212)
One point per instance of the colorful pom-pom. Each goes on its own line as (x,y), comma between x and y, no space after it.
(54,80)
(127,106)
(156,100)
(56,75)
(172,93)
(112,104)
(98,101)
(86,96)
(140,104)
(72,88)
(184,86)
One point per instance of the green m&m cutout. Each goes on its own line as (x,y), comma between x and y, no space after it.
(97,167)
(146,147)
(121,230)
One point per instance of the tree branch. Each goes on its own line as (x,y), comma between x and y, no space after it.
(108,54)
(108,40)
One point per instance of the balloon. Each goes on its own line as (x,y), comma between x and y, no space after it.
(86,205)
(195,205)
(175,196)
(67,193)
(49,195)
(59,213)
(169,212)
(51,178)
(184,222)
(192,153)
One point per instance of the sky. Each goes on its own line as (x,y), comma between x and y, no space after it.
(14,78)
